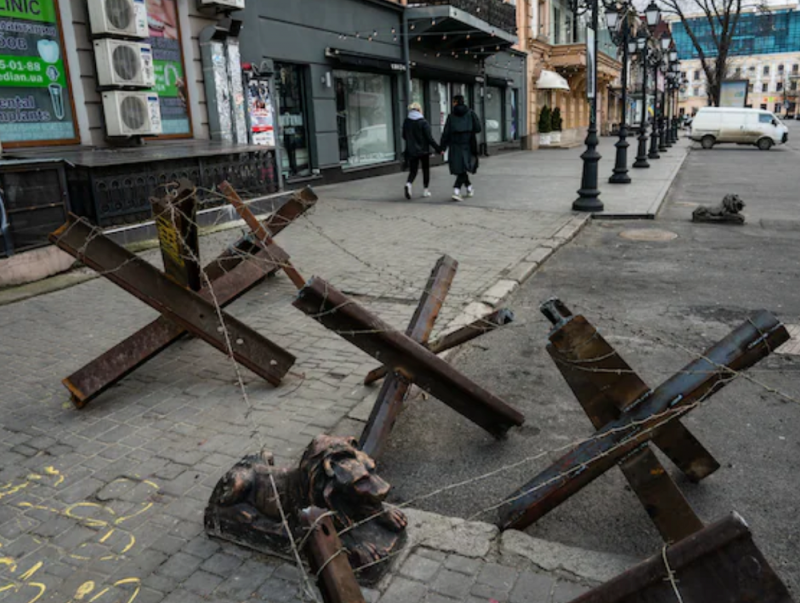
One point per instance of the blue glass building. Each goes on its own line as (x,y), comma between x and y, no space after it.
(756,33)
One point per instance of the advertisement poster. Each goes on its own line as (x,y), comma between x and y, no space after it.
(733,93)
(162,17)
(259,104)
(34,91)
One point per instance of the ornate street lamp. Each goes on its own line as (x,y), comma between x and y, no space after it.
(613,18)
(656,63)
(589,194)
(641,155)
(666,42)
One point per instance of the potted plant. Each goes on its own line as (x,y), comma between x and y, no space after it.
(545,126)
(555,136)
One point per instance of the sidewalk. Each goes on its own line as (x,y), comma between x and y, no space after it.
(112,496)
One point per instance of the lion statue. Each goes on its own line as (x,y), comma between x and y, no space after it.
(250,501)
(727,211)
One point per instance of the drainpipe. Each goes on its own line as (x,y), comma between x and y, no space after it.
(484,147)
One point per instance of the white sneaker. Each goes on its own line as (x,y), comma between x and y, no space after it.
(426,193)
(408,190)
(470,191)
(457,195)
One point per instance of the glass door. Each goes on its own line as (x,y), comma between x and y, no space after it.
(293,135)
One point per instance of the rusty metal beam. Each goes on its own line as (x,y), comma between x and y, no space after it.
(606,385)
(258,229)
(745,346)
(351,321)
(233,273)
(175,215)
(179,305)
(460,336)
(395,388)
(327,559)
(720,563)
(294,205)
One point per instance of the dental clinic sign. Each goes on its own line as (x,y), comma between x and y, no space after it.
(34,91)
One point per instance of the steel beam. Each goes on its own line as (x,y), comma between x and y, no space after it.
(720,563)
(460,336)
(744,347)
(175,215)
(395,388)
(261,233)
(177,304)
(233,273)
(296,204)
(606,385)
(405,356)
(327,559)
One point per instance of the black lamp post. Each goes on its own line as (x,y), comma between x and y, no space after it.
(589,194)
(673,58)
(620,175)
(666,42)
(655,62)
(652,15)
(670,108)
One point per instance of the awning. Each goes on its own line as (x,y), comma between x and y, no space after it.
(550,80)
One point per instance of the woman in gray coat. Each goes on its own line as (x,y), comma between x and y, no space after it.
(460,137)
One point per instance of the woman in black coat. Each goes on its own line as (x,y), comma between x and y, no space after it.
(417,134)
(460,136)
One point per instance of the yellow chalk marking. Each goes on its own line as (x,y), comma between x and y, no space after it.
(104,538)
(35,568)
(9,562)
(8,489)
(54,471)
(147,507)
(122,582)
(83,590)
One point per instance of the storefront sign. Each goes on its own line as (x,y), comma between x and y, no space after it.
(165,38)
(35,102)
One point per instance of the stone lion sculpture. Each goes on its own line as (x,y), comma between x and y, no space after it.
(727,211)
(333,474)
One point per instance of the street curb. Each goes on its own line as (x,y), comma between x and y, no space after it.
(662,194)
(655,206)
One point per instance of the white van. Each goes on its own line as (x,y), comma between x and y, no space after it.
(713,125)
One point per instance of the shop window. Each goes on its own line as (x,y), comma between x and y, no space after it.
(165,39)
(494,115)
(778,108)
(365,120)
(35,96)
(763,106)
(515,114)
(443,92)
(293,135)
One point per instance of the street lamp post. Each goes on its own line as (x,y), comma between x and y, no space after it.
(666,42)
(656,62)
(652,15)
(641,155)
(670,109)
(620,175)
(589,194)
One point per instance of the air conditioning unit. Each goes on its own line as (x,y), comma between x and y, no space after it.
(119,18)
(222,5)
(132,113)
(123,63)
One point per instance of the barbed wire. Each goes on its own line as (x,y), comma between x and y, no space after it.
(637,436)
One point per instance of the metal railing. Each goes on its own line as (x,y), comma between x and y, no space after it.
(495,12)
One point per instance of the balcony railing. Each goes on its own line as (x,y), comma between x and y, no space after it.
(495,12)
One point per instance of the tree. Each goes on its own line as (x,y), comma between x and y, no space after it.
(711,26)
(545,120)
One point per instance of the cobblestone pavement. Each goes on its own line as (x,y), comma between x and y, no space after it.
(105,504)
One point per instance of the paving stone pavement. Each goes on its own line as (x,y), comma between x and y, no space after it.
(106,503)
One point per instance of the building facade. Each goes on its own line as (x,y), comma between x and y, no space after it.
(554,37)
(765,53)
(122,96)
